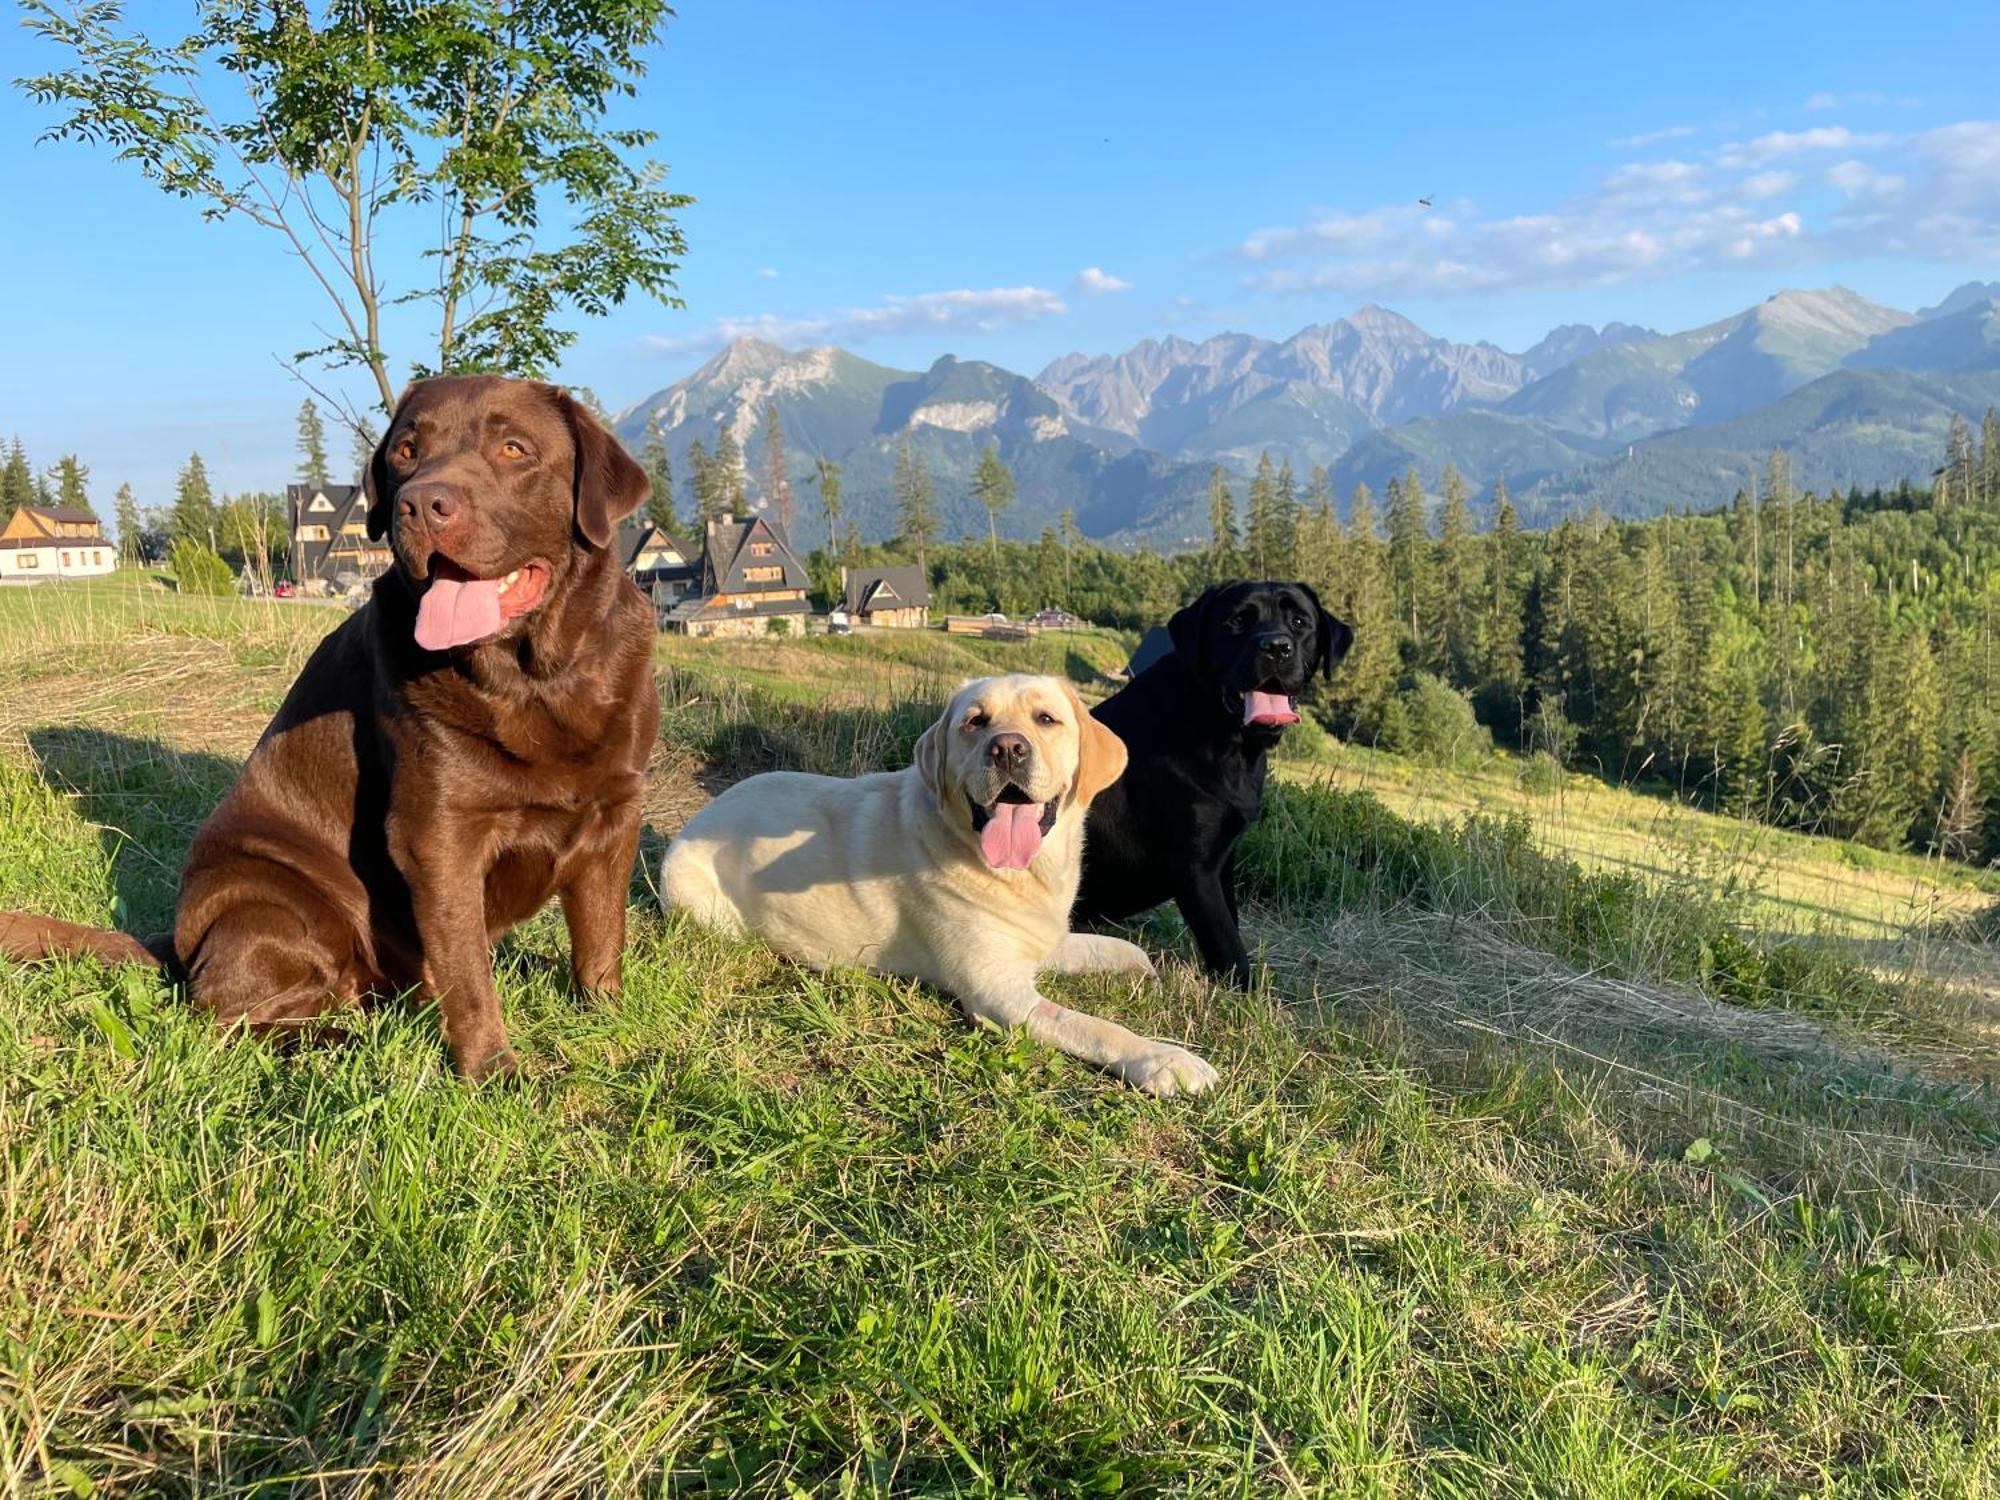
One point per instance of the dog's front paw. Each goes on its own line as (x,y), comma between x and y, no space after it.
(1130,958)
(1163,1071)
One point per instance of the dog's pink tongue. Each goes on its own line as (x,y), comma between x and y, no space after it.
(454,613)
(1012,835)
(1268,708)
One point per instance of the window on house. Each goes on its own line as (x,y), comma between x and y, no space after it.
(31,559)
(355,528)
(65,559)
(763,575)
(762,549)
(312,533)
(320,502)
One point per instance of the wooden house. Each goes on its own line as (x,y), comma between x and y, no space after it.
(52,541)
(330,547)
(749,578)
(895,598)
(657,561)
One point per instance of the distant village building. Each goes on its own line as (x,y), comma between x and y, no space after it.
(657,561)
(749,577)
(53,541)
(897,598)
(330,546)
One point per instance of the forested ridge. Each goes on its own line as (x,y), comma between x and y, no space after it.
(1819,661)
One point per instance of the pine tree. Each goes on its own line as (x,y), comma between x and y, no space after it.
(826,478)
(1260,537)
(1955,485)
(1462,585)
(125,516)
(993,487)
(1412,571)
(312,446)
(654,459)
(364,440)
(1502,629)
(777,472)
(916,506)
(73,484)
(17,481)
(704,500)
(1363,686)
(194,514)
(731,486)
(1731,715)
(1070,537)
(1225,544)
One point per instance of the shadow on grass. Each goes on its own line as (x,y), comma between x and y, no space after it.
(147,799)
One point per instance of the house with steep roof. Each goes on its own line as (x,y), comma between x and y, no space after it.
(657,561)
(751,583)
(330,548)
(891,597)
(54,541)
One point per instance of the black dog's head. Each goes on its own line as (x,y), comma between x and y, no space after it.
(1258,644)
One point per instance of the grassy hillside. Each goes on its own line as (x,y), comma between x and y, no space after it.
(1522,1179)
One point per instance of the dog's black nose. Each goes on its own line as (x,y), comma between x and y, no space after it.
(430,502)
(1277,646)
(1008,751)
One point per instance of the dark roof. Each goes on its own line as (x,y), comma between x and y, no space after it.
(67,515)
(1152,647)
(731,540)
(638,536)
(705,607)
(865,589)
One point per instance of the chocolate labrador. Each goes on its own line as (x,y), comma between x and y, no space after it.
(469,743)
(1198,724)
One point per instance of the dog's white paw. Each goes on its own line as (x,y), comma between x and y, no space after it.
(1130,958)
(1163,1071)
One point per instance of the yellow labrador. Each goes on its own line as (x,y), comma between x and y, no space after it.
(959,871)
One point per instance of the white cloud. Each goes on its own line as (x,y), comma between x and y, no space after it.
(1652,137)
(1932,193)
(978,310)
(769,273)
(1792,142)
(1859,180)
(1823,101)
(1093,282)
(1767,184)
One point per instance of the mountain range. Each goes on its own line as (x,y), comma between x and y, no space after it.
(1623,417)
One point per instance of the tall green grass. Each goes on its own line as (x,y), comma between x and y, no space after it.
(1449,1227)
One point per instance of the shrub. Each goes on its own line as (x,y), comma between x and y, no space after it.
(1433,723)
(197,570)
(1542,775)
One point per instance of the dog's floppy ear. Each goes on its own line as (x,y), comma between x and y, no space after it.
(1189,626)
(610,485)
(928,757)
(1335,635)
(1100,754)
(375,478)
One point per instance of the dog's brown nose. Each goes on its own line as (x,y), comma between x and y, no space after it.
(1009,752)
(429,501)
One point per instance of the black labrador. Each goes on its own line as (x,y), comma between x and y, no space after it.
(1198,724)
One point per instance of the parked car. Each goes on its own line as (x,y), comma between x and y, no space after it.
(282,589)
(994,617)
(1052,619)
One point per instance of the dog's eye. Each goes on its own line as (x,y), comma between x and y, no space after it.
(406,450)
(1047,719)
(513,449)
(1242,622)
(978,719)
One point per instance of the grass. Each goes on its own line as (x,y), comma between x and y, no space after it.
(1503,1194)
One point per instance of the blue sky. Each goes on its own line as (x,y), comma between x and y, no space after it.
(1011,183)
